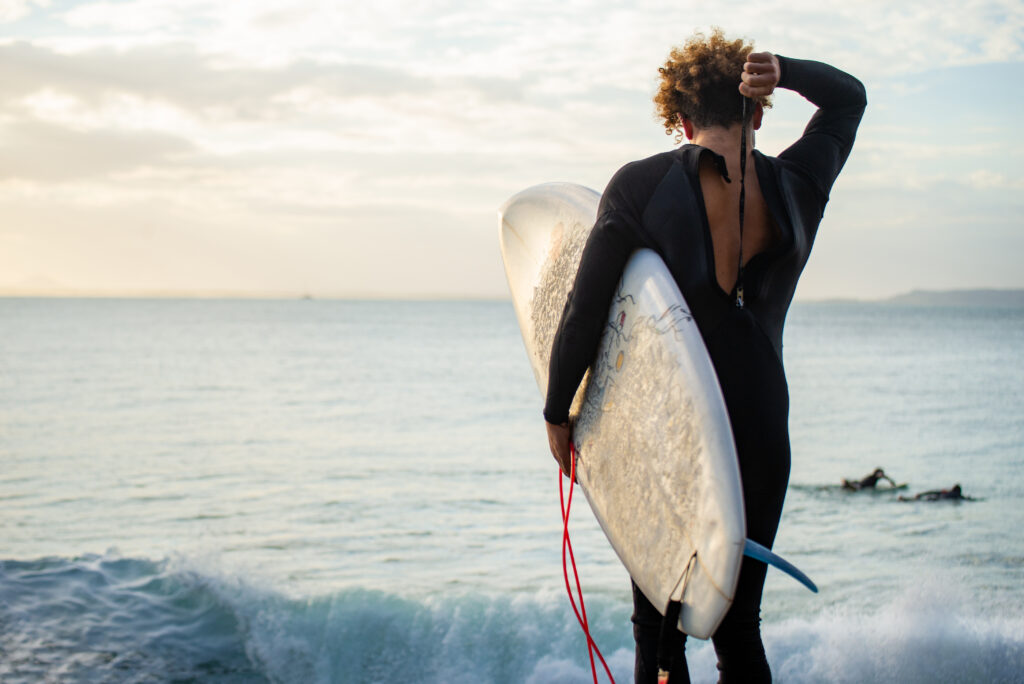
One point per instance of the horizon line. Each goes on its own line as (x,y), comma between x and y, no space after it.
(269,295)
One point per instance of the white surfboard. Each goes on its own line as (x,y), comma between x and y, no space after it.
(657,460)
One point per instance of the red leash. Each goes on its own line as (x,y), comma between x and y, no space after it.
(581,613)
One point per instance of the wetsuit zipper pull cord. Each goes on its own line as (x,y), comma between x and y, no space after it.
(743,197)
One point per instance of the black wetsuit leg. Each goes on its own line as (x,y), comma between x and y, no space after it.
(757,398)
(647,633)
(756,394)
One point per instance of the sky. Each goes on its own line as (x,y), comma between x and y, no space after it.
(361,149)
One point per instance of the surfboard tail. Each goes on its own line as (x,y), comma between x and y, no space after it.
(761,553)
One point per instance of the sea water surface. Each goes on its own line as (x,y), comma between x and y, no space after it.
(341,491)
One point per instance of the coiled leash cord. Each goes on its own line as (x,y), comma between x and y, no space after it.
(581,612)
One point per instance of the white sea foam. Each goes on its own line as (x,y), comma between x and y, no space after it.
(91,618)
(928,635)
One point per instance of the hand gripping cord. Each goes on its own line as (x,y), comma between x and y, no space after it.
(581,612)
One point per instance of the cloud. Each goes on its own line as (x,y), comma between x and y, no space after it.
(41,152)
(333,123)
(179,74)
(13,10)
(309,107)
(596,42)
(985,179)
(314,115)
(134,17)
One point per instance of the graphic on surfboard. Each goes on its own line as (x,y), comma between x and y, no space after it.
(657,461)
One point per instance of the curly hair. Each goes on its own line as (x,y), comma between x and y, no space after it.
(700,82)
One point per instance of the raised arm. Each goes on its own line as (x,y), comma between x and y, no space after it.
(828,138)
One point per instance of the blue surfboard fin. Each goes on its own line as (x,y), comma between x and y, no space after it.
(758,552)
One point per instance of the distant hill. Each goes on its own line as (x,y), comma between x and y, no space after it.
(980,298)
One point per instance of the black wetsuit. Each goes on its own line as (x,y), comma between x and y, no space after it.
(657,203)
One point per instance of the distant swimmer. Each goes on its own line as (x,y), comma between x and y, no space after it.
(868,482)
(953,494)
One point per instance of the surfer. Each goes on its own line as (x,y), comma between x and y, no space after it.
(869,481)
(955,493)
(735,228)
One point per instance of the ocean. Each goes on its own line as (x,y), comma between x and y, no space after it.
(350,491)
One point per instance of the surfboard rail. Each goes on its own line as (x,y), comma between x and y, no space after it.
(657,461)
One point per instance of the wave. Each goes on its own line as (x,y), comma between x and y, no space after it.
(106,618)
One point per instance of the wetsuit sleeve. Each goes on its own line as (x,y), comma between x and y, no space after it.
(822,150)
(614,237)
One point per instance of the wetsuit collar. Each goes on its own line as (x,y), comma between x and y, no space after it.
(718,160)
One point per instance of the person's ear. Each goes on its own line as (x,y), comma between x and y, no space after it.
(756,119)
(687,127)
